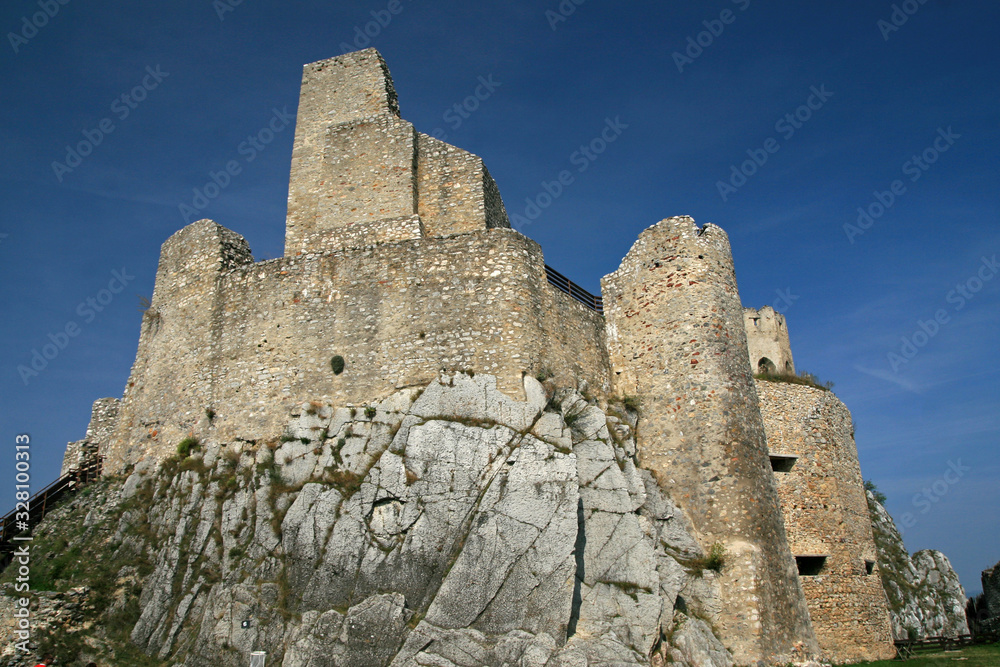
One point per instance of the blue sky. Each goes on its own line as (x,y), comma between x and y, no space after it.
(833,101)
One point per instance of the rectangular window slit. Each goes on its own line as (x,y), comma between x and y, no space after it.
(810,566)
(781,463)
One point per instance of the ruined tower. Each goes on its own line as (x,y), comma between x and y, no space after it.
(810,436)
(767,341)
(676,340)
(361,174)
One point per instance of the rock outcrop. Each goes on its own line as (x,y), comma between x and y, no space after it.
(447,526)
(926,598)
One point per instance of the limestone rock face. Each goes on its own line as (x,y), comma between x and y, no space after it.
(450,526)
(926,598)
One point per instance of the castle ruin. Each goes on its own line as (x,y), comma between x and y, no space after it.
(400,262)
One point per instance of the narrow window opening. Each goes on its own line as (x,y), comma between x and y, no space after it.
(810,566)
(781,463)
(869,567)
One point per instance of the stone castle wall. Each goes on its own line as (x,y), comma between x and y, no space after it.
(767,341)
(991,599)
(103,419)
(826,514)
(676,340)
(247,341)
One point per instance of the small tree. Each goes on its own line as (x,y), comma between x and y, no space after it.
(878,495)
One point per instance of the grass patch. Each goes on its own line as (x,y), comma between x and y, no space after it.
(75,564)
(186,446)
(631,403)
(803,378)
(970,656)
(345,481)
(714,560)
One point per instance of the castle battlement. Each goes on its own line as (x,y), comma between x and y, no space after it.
(400,263)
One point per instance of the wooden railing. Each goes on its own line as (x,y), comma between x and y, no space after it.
(41,503)
(563,284)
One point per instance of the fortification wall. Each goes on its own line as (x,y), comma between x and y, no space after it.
(991,596)
(103,418)
(826,514)
(676,339)
(456,193)
(767,341)
(232,346)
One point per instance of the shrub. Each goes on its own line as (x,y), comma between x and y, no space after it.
(878,495)
(544,374)
(714,560)
(716,557)
(370,412)
(631,403)
(346,481)
(186,445)
(210,413)
(337,364)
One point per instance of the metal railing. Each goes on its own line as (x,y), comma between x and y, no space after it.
(41,503)
(563,284)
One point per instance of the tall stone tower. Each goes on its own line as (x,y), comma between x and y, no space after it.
(676,339)
(361,174)
(767,341)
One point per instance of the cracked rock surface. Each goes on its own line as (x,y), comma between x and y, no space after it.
(448,527)
(926,598)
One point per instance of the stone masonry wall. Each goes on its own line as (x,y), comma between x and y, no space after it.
(456,193)
(991,594)
(826,514)
(103,418)
(767,339)
(262,336)
(348,89)
(356,163)
(676,339)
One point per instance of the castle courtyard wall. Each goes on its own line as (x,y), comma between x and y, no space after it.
(826,514)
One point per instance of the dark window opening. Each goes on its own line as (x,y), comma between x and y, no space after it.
(766,366)
(869,567)
(810,566)
(782,463)
(788,367)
